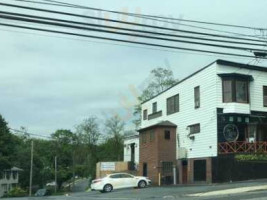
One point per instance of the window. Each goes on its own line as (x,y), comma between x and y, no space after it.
(173,104)
(241,91)
(195,128)
(167,135)
(143,138)
(115,176)
(167,166)
(145,115)
(154,107)
(126,176)
(235,91)
(265,96)
(197,97)
(152,135)
(227,91)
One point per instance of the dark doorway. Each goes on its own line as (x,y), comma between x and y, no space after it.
(184,171)
(145,169)
(200,170)
(132,152)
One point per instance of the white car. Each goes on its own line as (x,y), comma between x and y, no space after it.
(119,181)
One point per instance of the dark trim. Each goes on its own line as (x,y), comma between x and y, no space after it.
(165,124)
(154,115)
(237,76)
(219,62)
(241,65)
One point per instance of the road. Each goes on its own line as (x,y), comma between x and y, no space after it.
(256,190)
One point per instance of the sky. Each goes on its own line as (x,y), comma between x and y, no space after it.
(51,82)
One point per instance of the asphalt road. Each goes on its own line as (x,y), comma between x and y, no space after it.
(211,192)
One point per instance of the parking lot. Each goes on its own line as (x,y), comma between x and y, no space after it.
(228,191)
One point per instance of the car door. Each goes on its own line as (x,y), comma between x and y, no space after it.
(116,181)
(128,180)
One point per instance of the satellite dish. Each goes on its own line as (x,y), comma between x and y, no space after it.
(231,132)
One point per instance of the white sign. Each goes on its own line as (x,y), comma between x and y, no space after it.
(107,166)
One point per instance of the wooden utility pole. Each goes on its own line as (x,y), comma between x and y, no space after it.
(55,174)
(30,188)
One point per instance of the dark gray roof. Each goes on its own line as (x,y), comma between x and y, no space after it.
(220,62)
(160,124)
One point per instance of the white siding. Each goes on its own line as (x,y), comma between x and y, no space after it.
(256,89)
(127,149)
(205,143)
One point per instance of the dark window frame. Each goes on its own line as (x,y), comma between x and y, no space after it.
(167,135)
(152,135)
(176,104)
(194,128)
(234,90)
(197,97)
(154,107)
(265,96)
(145,114)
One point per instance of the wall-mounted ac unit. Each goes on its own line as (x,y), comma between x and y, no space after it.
(182,153)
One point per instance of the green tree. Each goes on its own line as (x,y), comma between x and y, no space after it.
(64,143)
(160,80)
(7,145)
(115,128)
(88,134)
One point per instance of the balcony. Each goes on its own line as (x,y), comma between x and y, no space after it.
(242,147)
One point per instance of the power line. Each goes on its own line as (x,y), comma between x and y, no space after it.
(124,45)
(132,30)
(123,33)
(129,23)
(150,17)
(125,41)
(33,134)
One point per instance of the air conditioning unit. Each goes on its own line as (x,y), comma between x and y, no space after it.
(182,153)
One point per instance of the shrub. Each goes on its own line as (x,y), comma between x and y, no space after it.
(17,192)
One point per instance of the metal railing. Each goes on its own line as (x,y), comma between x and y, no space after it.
(242,147)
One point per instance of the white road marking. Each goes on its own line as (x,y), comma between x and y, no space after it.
(229,191)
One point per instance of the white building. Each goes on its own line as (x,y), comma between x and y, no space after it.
(131,148)
(220,111)
(8,180)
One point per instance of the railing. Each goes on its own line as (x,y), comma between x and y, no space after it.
(242,147)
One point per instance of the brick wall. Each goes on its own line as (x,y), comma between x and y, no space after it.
(157,151)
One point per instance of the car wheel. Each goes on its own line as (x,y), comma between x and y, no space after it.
(108,188)
(142,184)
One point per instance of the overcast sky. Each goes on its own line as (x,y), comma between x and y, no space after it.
(49,82)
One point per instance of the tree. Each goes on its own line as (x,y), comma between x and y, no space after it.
(64,141)
(115,128)
(88,135)
(160,80)
(7,145)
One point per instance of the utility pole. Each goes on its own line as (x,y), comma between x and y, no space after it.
(55,174)
(73,169)
(30,190)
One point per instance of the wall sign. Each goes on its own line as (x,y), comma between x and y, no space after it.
(107,166)
(230,132)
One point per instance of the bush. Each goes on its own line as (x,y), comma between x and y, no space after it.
(251,157)
(17,192)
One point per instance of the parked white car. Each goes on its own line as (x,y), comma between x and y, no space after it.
(119,181)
